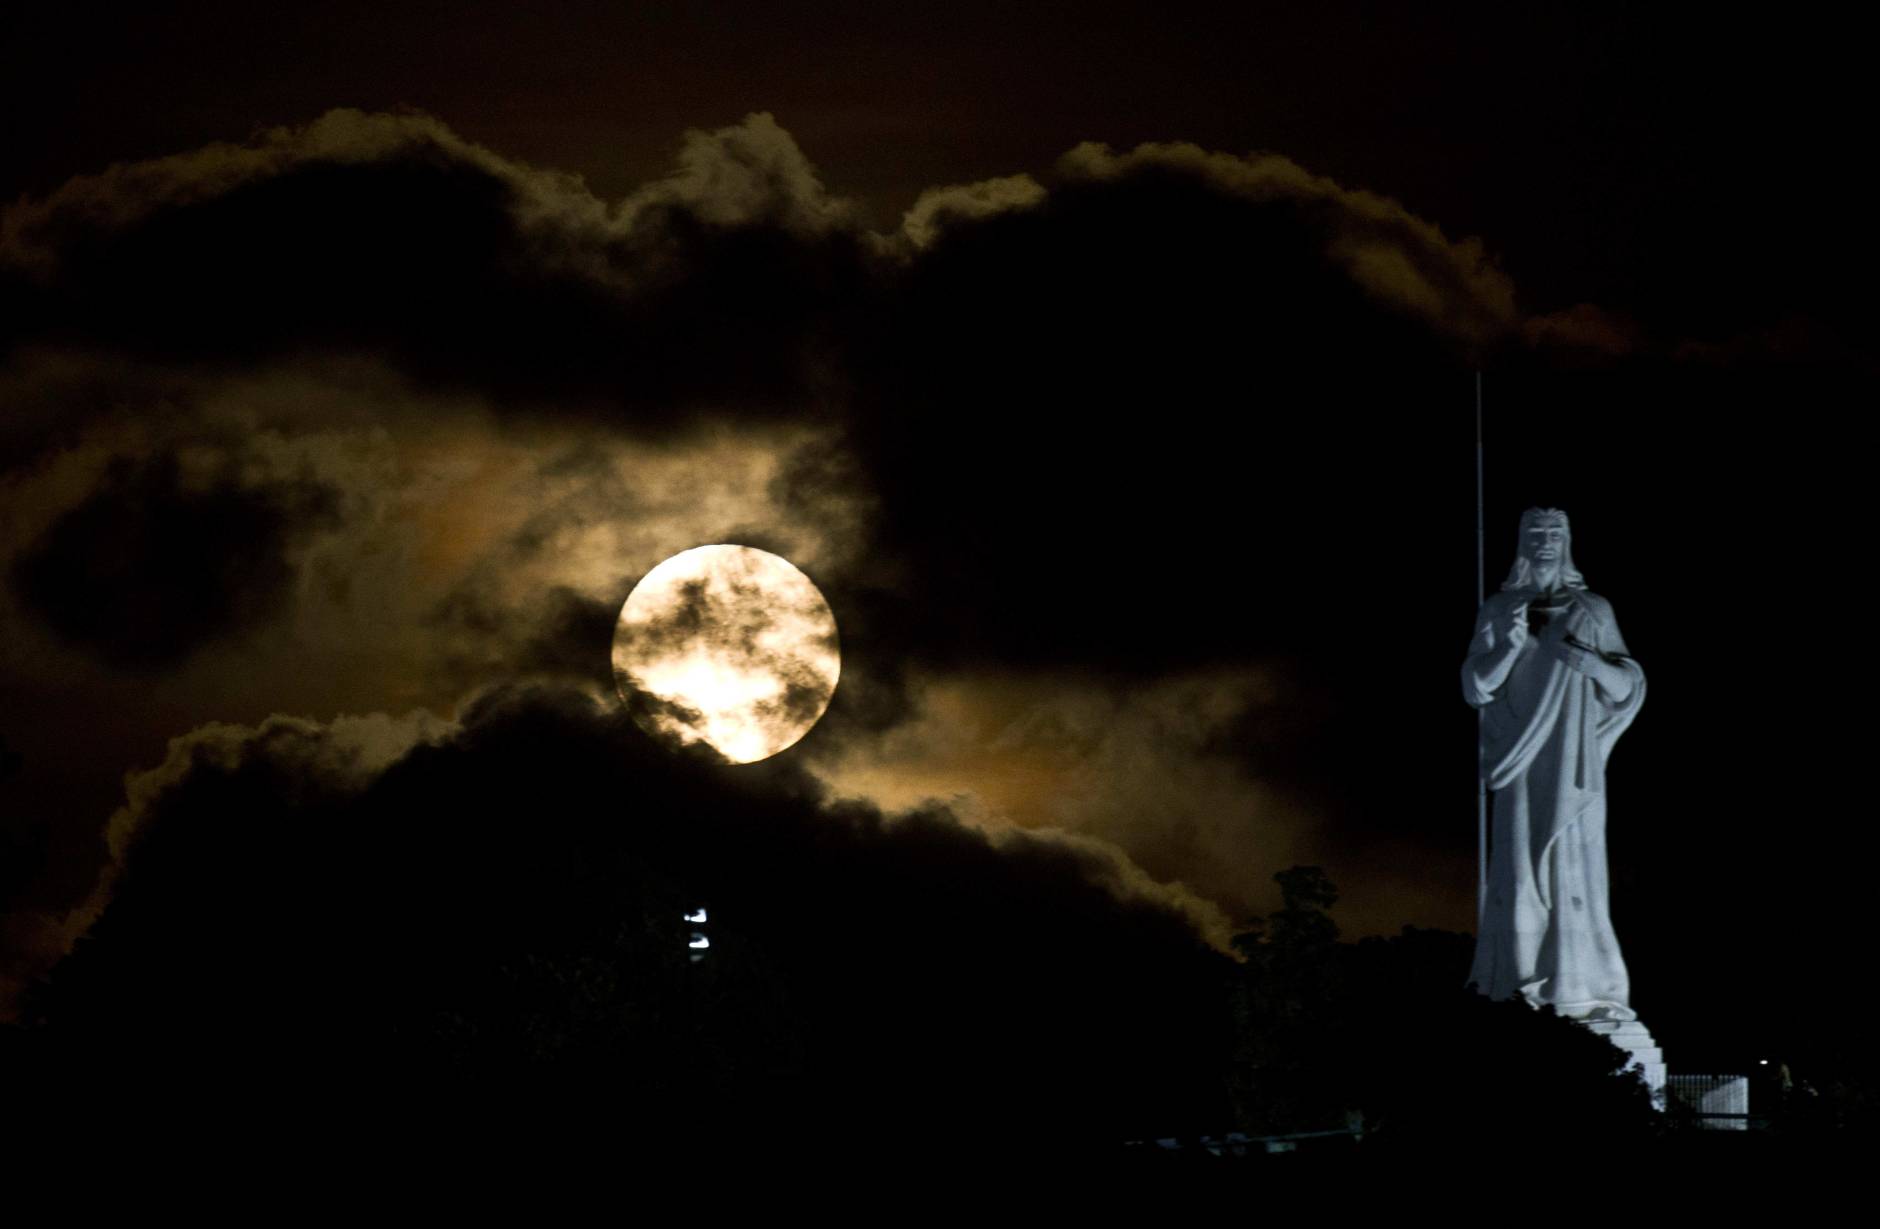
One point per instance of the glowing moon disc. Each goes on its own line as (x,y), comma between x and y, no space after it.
(730,646)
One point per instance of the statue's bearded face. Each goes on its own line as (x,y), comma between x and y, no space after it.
(1545,544)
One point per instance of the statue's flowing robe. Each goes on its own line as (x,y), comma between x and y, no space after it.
(1547,731)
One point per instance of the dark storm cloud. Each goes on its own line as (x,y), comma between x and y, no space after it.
(506,894)
(736,282)
(154,564)
(1401,260)
(391,234)
(1094,421)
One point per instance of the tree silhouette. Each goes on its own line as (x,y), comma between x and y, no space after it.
(1383,1028)
(1289,1013)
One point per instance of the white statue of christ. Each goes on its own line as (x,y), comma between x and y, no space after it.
(1556,688)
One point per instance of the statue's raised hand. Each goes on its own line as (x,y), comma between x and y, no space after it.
(1514,627)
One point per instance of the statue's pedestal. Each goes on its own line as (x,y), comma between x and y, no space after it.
(1633,1037)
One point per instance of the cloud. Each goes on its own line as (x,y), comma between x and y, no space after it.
(156,561)
(42,235)
(1090,422)
(1404,260)
(746,174)
(1196,777)
(737,282)
(392,235)
(401,540)
(340,756)
(334,757)
(936,208)
(1583,330)
(1795,339)
(503,894)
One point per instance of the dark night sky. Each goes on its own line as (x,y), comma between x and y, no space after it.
(1142,488)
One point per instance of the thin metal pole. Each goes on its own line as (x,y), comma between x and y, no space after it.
(1481,595)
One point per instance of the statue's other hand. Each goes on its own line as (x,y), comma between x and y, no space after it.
(1563,628)
(1578,657)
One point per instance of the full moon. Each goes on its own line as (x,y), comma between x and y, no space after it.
(730,646)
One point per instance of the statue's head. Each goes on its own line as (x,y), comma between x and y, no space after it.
(1544,553)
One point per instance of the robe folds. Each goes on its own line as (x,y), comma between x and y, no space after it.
(1547,732)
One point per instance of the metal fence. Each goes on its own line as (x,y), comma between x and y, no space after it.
(1713,1102)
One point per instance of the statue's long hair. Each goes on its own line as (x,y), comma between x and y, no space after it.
(1521,576)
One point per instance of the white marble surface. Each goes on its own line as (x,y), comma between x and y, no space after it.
(1556,688)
